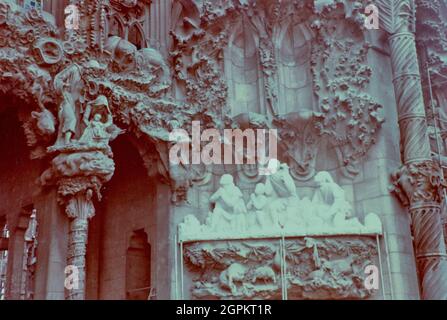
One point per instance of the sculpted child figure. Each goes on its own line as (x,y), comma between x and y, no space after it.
(229,212)
(96,130)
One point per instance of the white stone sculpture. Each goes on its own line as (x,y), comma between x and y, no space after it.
(68,84)
(275,210)
(98,131)
(258,203)
(229,212)
(330,204)
(284,202)
(281,181)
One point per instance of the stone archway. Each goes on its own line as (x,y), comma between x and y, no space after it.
(17,175)
(84,90)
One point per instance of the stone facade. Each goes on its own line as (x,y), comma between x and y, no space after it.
(91,91)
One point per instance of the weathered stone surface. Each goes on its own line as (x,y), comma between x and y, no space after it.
(312,268)
(137,69)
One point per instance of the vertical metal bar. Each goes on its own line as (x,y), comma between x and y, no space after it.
(176,265)
(285,267)
(282,269)
(181,269)
(380,265)
(388,265)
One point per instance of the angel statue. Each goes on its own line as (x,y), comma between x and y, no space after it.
(98,131)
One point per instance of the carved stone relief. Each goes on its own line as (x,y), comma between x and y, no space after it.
(313,268)
(78,92)
(82,89)
(345,115)
(275,209)
(348,116)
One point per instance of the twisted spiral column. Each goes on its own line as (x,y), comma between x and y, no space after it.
(410,102)
(427,227)
(430,250)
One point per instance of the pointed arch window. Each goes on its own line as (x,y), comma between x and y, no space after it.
(243,71)
(294,70)
(115,27)
(136,36)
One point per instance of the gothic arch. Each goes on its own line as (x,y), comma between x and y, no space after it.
(185,17)
(293,51)
(242,70)
(136,35)
(115,27)
(39,66)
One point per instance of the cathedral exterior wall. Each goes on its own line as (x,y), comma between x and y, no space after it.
(87,180)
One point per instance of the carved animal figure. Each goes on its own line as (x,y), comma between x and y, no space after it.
(152,57)
(264,273)
(339,267)
(234,273)
(45,122)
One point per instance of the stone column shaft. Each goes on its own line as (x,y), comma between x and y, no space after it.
(80,209)
(419,168)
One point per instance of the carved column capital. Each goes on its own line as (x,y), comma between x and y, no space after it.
(418,183)
(420,186)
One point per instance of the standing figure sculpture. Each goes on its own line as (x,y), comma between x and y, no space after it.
(68,85)
(283,197)
(258,202)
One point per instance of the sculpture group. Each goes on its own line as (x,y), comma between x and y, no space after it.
(275,209)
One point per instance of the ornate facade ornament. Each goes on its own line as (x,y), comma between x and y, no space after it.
(431,41)
(83,87)
(80,90)
(348,117)
(417,183)
(278,245)
(301,137)
(317,268)
(338,67)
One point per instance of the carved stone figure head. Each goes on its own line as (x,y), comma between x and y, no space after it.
(100,101)
(97,117)
(151,57)
(123,53)
(226,180)
(45,122)
(100,106)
